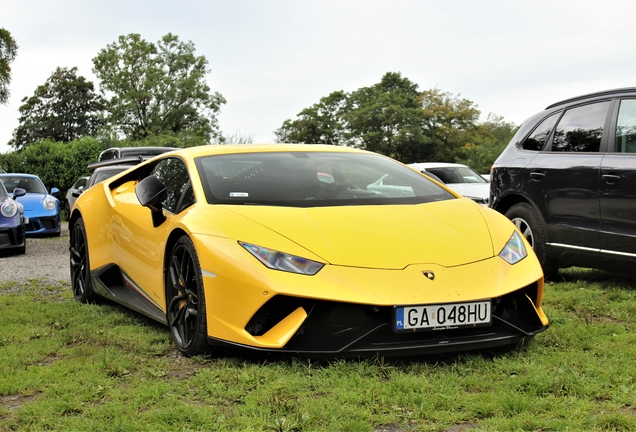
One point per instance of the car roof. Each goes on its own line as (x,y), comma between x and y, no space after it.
(436,165)
(19,175)
(205,150)
(600,94)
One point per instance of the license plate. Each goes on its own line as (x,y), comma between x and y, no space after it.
(445,316)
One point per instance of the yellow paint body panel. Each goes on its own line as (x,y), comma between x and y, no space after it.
(373,255)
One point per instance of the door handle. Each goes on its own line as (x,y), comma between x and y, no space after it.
(611,178)
(536,175)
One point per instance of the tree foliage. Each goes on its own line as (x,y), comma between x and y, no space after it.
(391,117)
(8,51)
(449,123)
(63,109)
(322,123)
(58,164)
(487,142)
(386,117)
(157,89)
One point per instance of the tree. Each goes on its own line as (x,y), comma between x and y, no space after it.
(486,144)
(448,124)
(8,51)
(322,123)
(386,118)
(156,89)
(391,117)
(63,109)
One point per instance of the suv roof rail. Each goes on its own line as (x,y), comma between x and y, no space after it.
(595,94)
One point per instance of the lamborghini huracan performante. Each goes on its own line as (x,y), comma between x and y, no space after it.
(299,250)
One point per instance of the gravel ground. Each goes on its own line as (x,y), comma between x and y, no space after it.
(45,258)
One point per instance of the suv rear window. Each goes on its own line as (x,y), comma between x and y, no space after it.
(538,139)
(581,128)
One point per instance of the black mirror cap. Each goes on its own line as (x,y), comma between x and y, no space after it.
(151,192)
(18,192)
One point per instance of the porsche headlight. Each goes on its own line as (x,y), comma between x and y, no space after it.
(49,203)
(515,250)
(9,209)
(282,261)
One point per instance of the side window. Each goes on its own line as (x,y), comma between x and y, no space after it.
(581,129)
(174,175)
(626,127)
(537,140)
(109,154)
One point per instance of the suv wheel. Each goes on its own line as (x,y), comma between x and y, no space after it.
(528,222)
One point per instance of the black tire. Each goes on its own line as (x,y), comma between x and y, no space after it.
(66,211)
(79,261)
(185,299)
(528,222)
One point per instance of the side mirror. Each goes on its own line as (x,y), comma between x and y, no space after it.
(77,192)
(18,192)
(54,191)
(151,193)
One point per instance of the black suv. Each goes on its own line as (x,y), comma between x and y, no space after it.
(568,181)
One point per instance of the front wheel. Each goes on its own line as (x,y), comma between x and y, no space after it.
(66,211)
(185,299)
(528,222)
(79,261)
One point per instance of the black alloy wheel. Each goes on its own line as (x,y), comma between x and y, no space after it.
(185,298)
(80,268)
(528,222)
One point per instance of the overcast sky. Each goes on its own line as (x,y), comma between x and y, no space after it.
(271,59)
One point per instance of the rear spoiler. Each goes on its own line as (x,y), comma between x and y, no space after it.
(129,160)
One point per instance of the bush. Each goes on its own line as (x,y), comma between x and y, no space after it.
(57,164)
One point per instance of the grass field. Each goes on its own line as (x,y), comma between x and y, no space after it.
(68,366)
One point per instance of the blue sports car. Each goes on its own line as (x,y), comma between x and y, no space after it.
(41,209)
(12,221)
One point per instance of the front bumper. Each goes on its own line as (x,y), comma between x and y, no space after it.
(11,238)
(43,225)
(334,329)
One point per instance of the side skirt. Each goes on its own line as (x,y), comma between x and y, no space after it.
(112,283)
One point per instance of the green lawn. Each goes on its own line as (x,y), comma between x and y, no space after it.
(68,366)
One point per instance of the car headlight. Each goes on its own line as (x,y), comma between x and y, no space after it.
(49,203)
(515,250)
(282,261)
(9,209)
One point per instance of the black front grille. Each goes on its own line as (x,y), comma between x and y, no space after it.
(335,327)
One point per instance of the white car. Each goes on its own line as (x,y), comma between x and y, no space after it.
(459,178)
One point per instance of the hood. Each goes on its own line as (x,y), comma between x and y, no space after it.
(32,202)
(476,190)
(447,233)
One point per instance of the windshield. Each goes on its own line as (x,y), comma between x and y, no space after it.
(29,184)
(310,179)
(457,175)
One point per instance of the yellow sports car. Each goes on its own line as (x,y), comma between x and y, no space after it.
(309,250)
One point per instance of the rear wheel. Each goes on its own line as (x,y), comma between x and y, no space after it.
(528,222)
(185,299)
(79,261)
